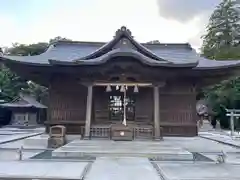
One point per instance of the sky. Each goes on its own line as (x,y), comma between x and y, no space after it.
(169,21)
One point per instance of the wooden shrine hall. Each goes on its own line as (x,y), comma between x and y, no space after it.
(122,88)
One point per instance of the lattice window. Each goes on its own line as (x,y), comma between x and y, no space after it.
(116,107)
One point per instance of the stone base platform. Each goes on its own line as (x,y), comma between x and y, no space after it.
(101,148)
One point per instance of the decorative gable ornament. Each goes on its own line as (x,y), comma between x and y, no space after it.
(123,30)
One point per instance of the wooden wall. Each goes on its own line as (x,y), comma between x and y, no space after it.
(144,105)
(178,109)
(100,106)
(67,104)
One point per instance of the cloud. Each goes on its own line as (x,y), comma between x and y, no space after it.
(93,22)
(98,20)
(185,10)
(192,13)
(200,22)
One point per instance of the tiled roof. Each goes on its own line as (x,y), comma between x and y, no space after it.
(24,101)
(204,63)
(123,44)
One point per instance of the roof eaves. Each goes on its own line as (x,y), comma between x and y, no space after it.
(17,61)
(15,105)
(217,67)
(227,64)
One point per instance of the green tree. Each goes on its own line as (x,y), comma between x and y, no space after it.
(225,95)
(221,42)
(10,84)
(58,38)
(35,90)
(25,50)
(223,32)
(32,49)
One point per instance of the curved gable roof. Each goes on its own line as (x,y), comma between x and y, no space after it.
(125,35)
(123,44)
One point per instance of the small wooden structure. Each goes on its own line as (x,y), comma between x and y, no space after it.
(148,87)
(121,132)
(25,110)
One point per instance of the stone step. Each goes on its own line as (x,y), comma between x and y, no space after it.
(149,149)
(170,154)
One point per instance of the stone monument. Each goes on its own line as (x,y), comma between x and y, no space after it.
(57,136)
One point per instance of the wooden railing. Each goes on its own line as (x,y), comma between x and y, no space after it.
(104,131)
(100,131)
(143,132)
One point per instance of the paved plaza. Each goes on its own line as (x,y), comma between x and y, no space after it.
(174,158)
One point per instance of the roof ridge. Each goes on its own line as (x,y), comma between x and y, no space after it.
(102,43)
(77,42)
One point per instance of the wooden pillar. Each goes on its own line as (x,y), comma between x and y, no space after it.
(156,113)
(232,123)
(88,112)
(26,119)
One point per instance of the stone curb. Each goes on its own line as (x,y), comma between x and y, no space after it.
(226,143)
(16,139)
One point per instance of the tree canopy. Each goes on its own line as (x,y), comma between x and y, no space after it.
(32,49)
(10,84)
(223,32)
(222,42)
(27,50)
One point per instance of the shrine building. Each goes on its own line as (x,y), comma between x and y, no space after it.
(148,87)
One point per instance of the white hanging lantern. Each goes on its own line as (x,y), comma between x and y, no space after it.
(122,88)
(108,89)
(135,90)
(124,122)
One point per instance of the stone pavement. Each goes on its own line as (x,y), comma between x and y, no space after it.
(11,139)
(223,138)
(124,168)
(13,134)
(13,154)
(42,169)
(181,166)
(198,171)
(118,160)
